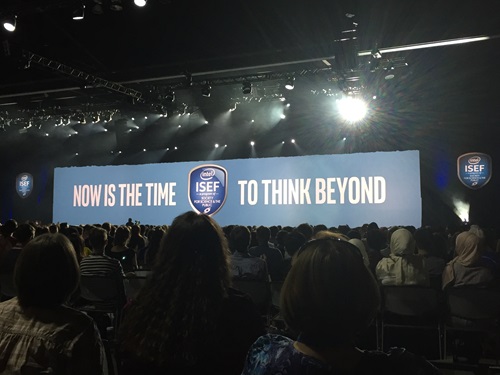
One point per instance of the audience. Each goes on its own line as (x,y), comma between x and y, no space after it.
(38,333)
(187,319)
(243,265)
(327,316)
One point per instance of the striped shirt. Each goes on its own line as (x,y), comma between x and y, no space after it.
(101,265)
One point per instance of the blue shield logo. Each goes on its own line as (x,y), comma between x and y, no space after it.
(474,169)
(207,188)
(24,185)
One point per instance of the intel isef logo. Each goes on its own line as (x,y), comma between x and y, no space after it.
(474,169)
(207,188)
(24,184)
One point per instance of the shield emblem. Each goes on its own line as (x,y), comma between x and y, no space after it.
(207,188)
(474,169)
(24,185)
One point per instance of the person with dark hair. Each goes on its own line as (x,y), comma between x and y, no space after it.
(243,265)
(187,319)
(271,255)
(293,241)
(38,333)
(120,251)
(153,246)
(7,241)
(326,316)
(306,229)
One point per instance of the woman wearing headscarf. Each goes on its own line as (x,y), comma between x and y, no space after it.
(467,268)
(402,267)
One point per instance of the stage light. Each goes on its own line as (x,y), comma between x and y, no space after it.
(344,138)
(282,142)
(352,109)
(288,104)
(206,90)
(95,118)
(461,209)
(116,5)
(216,145)
(143,149)
(252,143)
(170,95)
(140,3)
(293,141)
(9,23)
(79,12)
(206,122)
(282,116)
(290,83)
(246,87)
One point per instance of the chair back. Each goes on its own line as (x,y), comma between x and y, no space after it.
(473,303)
(258,290)
(410,300)
(133,286)
(102,291)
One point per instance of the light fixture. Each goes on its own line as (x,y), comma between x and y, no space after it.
(246,88)
(206,90)
(252,143)
(290,83)
(140,3)
(352,109)
(170,95)
(116,5)
(79,12)
(9,23)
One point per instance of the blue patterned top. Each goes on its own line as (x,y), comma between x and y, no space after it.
(275,355)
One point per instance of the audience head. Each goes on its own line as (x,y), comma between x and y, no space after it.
(329,294)
(239,239)
(24,233)
(306,230)
(469,248)
(375,239)
(263,235)
(423,239)
(122,235)
(8,227)
(195,247)
(402,243)
(293,241)
(98,239)
(46,272)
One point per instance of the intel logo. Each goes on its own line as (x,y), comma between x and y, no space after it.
(24,178)
(474,160)
(207,174)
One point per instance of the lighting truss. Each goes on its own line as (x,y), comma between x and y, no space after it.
(78,74)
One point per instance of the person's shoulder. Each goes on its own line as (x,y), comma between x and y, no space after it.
(398,361)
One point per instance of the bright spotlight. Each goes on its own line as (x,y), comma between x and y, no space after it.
(252,143)
(461,209)
(9,23)
(289,85)
(140,3)
(283,116)
(352,109)
(216,145)
(293,140)
(143,149)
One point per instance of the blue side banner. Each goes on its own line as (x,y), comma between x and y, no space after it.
(350,189)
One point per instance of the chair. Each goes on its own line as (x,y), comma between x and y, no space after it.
(133,285)
(473,309)
(411,307)
(103,295)
(258,290)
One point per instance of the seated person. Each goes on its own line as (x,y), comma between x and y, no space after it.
(38,333)
(243,265)
(328,297)
(187,319)
(403,266)
(271,255)
(468,267)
